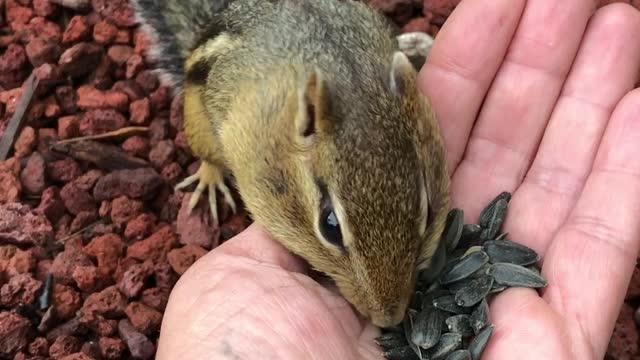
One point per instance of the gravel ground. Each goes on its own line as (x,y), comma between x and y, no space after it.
(100,215)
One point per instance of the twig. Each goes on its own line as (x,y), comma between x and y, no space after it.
(15,123)
(104,156)
(130,130)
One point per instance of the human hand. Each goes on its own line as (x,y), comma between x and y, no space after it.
(567,150)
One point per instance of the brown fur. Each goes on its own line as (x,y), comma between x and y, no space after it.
(376,144)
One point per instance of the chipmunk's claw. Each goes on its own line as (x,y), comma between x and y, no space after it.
(209,177)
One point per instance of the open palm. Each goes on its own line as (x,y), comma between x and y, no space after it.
(535,98)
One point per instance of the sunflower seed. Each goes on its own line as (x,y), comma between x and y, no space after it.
(448,343)
(448,304)
(401,353)
(408,325)
(475,292)
(465,267)
(516,276)
(478,344)
(416,300)
(453,232)
(509,252)
(497,217)
(470,232)
(459,355)
(391,340)
(427,328)
(479,317)
(458,285)
(460,324)
(487,214)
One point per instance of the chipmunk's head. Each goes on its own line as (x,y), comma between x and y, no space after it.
(362,166)
(350,188)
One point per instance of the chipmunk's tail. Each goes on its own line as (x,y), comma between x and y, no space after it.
(175,27)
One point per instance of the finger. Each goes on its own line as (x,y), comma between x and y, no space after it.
(521,99)
(462,63)
(590,262)
(605,69)
(256,244)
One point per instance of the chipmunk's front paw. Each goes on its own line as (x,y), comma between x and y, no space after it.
(209,176)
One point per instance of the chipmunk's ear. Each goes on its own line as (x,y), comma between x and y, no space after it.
(313,108)
(402,74)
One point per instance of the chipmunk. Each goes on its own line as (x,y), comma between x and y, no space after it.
(313,107)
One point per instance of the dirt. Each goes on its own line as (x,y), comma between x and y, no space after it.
(113,233)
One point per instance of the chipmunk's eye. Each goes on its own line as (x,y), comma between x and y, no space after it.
(330,226)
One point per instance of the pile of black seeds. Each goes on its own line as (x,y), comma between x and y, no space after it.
(448,318)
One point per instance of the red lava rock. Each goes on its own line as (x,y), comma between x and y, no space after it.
(165,277)
(442,7)
(140,42)
(107,249)
(9,182)
(109,303)
(63,170)
(235,225)
(162,153)
(198,227)
(66,301)
(105,208)
(77,30)
(104,32)
(158,129)
(133,280)
(182,258)
(144,318)
(18,14)
(117,11)
(135,64)
(41,27)
(14,330)
(64,345)
(20,290)
(98,121)
(155,247)
(52,109)
(140,227)
(13,67)
(51,204)
(136,183)
(119,54)
(92,98)
(137,146)
(64,263)
(156,298)
(418,24)
(139,345)
(41,51)
(124,209)
(11,98)
(140,111)
(26,142)
(39,346)
(68,127)
(148,80)
(171,206)
(67,99)
(19,261)
(82,220)
(48,74)
(102,77)
(86,278)
(44,8)
(111,348)
(46,136)
(123,37)
(624,342)
(88,180)
(77,200)
(80,59)
(172,172)
(160,98)
(77,356)
(133,90)
(21,225)
(32,176)
(176,114)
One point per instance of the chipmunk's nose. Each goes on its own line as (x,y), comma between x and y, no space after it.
(389,316)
